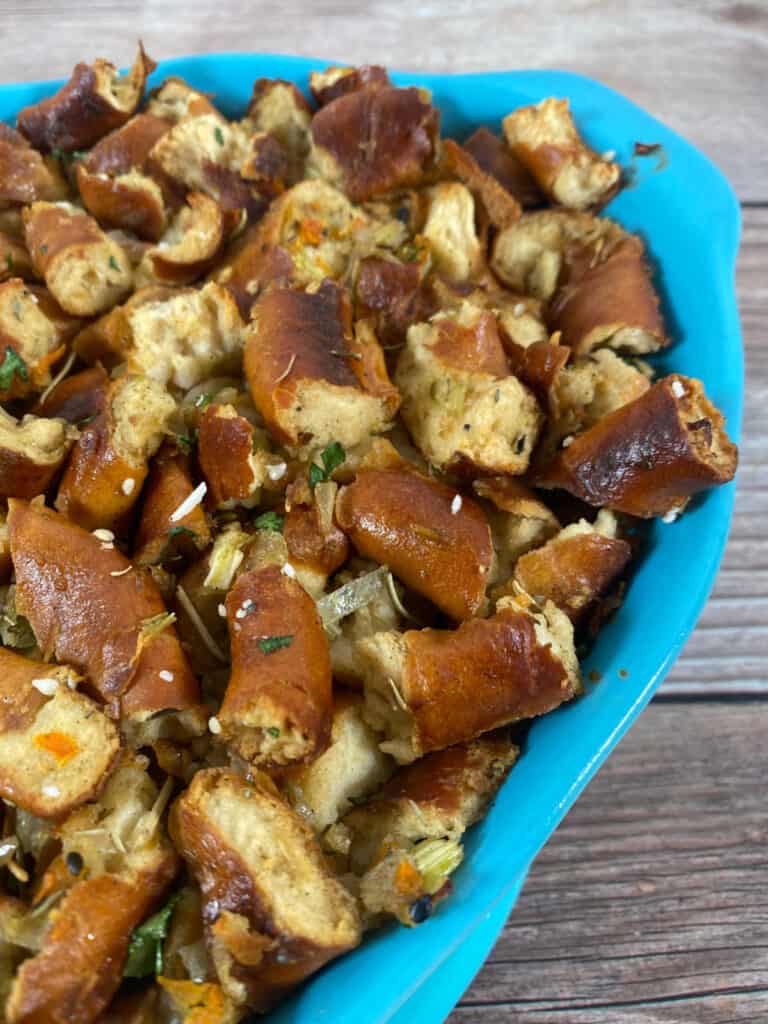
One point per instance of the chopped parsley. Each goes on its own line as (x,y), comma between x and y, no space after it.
(85,421)
(203,400)
(270,644)
(331,458)
(9,261)
(182,531)
(145,951)
(43,249)
(218,135)
(273,731)
(114,264)
(186,441)
(270,521)
(12,365)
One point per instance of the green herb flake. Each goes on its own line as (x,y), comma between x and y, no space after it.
(186,441)
(145,950)
(11,366)
(114,264)
(273,731)
(270,521)
(85,421)
(270,644)
(203,400)
(218,135)
(9,261)
(331,457)
(182,531)
(42,249)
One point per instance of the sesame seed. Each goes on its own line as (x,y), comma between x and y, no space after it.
(222,611)
(289,571)
(609,154)
(166,675)
(214,725)
(568,441)
(128,485)
(190,502)
(105,535)
(46,686)
(518,309)
(240,613)
(671,516)
(677,389)
(277,471)
(52,791)
(456,504)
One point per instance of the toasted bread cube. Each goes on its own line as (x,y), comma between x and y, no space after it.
(494,157)
(435,539)
(175,100)
(25,175)
(76,399)
(279,110)
(93,102)
(128,865)
(460,404)
(518,518)
(378,614)
(528,256)
(190,1001)
(437,797)
(274,913)
(314,541)
(428,689)
(576,567)
(15,260)
(310,378)
(185,337)
(520,316)
(333,82)
(350,769)
(56,746)
(85,270)
(545,139)
(108,340)
(189,246)
(610,301)
(30,341)
(32,451)
(233,463)
(168,486)
(89,608)
(498,206)
(250,264)
(110,461)
(204,154)
(394,294)
(649,456)
(374,140)
(450,231)
(277,706)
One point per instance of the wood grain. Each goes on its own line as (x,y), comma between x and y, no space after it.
(698,65)
(650,904)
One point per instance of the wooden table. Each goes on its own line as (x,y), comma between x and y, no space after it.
(650,904)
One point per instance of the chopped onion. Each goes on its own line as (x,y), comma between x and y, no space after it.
(225,559)
(353,595)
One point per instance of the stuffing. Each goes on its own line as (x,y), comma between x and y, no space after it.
(76,399)
(127,865)
(546,141)
(435,539)
(131,201)
(649,456)
(85,270)
(518,518)
(32,451)
(494,157)
(460,403)
(311,379)
(234,457)
(428,689)
(374,140)
(15,260)
(498,207)
(278,110)
(110,460)
(94,101)
(450,231)
(161,533)
(394,295)
(333,82)
(56,746)
(185,336)
(350,769)
(189,246)
(176,100)
(274,913)
(576,567)
(250,264)
(30,341)
(520,316)
(25,175)
(91,609)
(277,706)
(314,541)
(528,256)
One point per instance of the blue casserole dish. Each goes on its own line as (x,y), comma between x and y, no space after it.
(689,217)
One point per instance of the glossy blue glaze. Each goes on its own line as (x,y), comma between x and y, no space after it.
(690,219)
